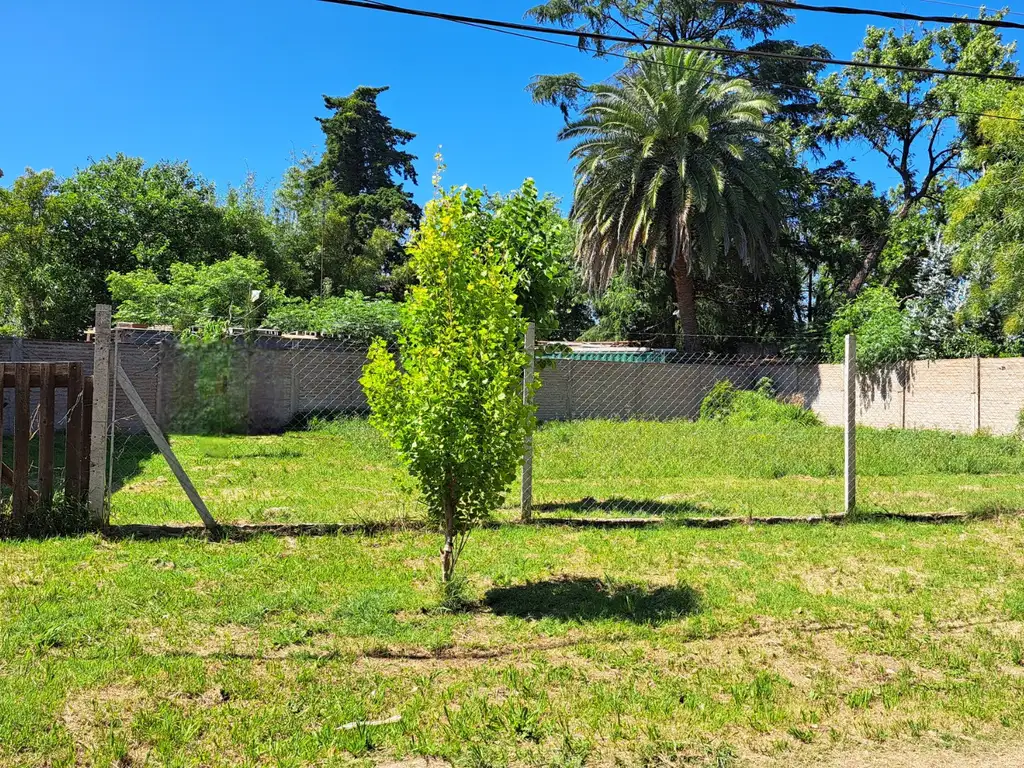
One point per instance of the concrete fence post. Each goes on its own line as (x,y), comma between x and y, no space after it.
(101,375)
(526,498)
(850,426)
(976,409)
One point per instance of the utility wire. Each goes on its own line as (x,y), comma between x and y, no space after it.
(730,52)
(969,7)
(717,75)
(895,15)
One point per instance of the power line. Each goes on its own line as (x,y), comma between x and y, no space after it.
(968,7)
(720,76)
(728,52)
(894,15)
(751,78)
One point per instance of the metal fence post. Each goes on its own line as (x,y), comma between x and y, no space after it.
(526,499)
(100,418)
(850,426)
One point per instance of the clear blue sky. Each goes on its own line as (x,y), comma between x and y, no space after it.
(233,86)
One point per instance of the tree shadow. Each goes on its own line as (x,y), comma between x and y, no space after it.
(578,598)
(638,506)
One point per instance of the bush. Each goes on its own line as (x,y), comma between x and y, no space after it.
(725,402)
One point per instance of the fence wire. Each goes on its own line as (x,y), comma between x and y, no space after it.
(736,428)
(941,436)
(273,429)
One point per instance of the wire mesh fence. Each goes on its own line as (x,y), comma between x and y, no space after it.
(273,428)
(941,436)
(642,429)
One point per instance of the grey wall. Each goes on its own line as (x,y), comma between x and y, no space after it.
(286,379)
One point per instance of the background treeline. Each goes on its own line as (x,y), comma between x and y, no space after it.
(720,213)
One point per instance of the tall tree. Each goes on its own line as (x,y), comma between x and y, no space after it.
(986,222)
(695,21)
(908,118)
(41,293)
(673,167)
(345,217)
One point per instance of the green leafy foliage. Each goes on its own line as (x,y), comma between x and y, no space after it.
(907,118)
(236,291)
(636,302)
(987,221)
(352,316)
(453,404)
(727,403)
(885,335)
(540,242)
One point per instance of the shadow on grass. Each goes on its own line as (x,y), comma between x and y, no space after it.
(638,506)
(590,599)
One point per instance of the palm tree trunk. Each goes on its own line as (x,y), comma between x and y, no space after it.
(686,305)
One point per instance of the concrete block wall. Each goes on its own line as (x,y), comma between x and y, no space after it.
(285,380)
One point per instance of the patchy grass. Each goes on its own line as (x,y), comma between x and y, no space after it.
(346,472)
(567,647)
(747,645)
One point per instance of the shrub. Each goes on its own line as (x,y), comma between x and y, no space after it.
(454,409)
(725,402)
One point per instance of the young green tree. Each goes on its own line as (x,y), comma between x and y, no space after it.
(453,404)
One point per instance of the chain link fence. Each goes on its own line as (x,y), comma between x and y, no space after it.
(270,428)
(735,428)
(273,428)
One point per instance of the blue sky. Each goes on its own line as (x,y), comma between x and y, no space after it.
(233,86)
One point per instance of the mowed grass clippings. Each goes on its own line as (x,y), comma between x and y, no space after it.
(661,646)
(347,473)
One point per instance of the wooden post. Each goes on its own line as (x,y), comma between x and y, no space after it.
(165,448)
(976,410)
(22,429)
(526,499)
(1,422)
(46,410)
(74,432)
(100,422)
(850,424)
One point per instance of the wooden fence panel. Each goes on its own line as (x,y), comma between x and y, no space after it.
(22,427)
(75,432)
(46,431)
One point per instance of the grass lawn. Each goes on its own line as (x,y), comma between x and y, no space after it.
(348,473)
(746,645)
(750,645)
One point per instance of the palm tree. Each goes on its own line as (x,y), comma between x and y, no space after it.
(673,170)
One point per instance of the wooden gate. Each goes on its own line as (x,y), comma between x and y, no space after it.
(37,414)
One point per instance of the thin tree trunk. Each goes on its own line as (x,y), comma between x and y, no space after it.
(448,551)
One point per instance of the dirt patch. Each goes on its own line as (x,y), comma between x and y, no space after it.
(918,756)
(89,714)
